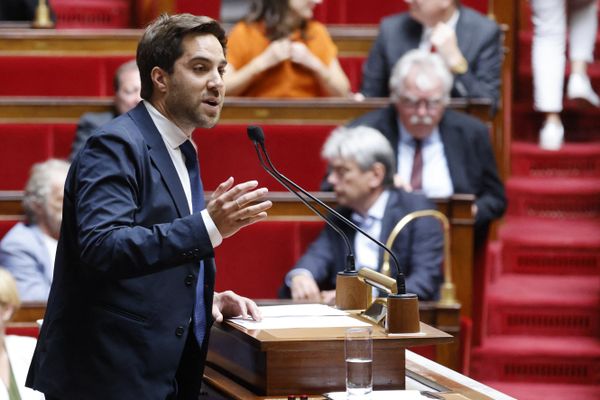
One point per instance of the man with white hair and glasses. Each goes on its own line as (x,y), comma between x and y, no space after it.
(362,167)
(439,151)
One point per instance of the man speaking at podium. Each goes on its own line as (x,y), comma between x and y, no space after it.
(131,304)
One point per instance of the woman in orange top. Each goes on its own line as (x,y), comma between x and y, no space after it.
(280,52)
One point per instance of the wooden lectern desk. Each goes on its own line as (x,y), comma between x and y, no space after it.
(272,362)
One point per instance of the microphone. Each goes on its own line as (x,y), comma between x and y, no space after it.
(257,136)
(255,133)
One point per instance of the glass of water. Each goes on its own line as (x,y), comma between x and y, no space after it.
(359,361)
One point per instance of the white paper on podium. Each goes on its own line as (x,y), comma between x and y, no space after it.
(300,316)
(382,395)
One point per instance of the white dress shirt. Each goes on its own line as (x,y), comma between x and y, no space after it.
(366,252)
(436,175)
(174,137)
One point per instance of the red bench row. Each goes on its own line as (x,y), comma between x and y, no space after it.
(254,261)
(116,13)
(224,151)
(89,75)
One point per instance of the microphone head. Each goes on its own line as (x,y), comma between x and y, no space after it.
(255,133)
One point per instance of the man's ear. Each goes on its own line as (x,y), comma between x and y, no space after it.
(160,79)
(378,171)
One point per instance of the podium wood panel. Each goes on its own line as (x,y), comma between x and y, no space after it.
(307,360)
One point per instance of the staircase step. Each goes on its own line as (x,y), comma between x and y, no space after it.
(524,79)
(560,198)
(572,360)
(580,122)
(546,391)
(547,247)
(574,160)
(544,305)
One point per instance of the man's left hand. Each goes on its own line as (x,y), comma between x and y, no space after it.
(229,304)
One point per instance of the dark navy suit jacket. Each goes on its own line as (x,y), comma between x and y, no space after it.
(478,39)
(419,247)
(124,283)
(469,155)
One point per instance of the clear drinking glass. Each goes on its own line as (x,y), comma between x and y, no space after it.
(359,361)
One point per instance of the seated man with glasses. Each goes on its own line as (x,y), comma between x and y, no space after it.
(439,151)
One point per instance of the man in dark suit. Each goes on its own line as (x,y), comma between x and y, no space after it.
(362,167)
(126,84)
(456,154)
(131,303)
(468,42)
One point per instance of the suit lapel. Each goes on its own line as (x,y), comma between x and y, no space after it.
(161,158)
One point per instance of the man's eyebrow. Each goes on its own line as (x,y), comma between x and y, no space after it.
(222,62)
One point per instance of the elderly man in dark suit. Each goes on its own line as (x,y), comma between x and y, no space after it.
(439,151)
(132,302)
(468,42)
(362,175)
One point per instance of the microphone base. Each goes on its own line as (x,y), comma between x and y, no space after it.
(351,293)
(402,314)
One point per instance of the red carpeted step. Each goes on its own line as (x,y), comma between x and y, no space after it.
(546,391)
(524,79)
(572,160)
(560,198)
(545,247)
(573,360)
(544,305)
(581,123)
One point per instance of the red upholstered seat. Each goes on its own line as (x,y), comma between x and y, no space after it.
(25,144)
(255,260)
(294,149)
(60,75)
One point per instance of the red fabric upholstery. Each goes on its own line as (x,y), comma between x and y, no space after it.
(352,66)
(255,260)
(92,13)
(5,226)
(28,330)
(25,144)
(55,75)
(226,151)
(22,146)
(210,8)
(371,12)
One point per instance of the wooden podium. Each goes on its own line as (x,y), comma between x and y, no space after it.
(273,362)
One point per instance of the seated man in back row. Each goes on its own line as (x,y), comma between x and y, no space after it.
(438,151)
(28,249)
(362,168)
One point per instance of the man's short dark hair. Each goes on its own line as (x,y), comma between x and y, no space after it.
(160,45)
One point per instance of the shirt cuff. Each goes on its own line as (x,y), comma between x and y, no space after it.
(296,272)
(213,233)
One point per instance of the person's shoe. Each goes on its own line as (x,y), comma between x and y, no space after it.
(579,87)
(552,136)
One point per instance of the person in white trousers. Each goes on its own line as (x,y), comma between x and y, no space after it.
(550,21)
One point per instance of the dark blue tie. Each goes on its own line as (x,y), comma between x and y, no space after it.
(191,163)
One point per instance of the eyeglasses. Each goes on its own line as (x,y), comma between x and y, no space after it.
(430,104)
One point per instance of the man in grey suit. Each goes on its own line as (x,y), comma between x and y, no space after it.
(28,249)
(362,175)
(126,84)
(468,42)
